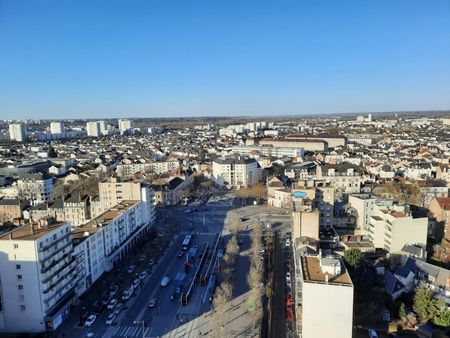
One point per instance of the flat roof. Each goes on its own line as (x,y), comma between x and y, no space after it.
(110,214)
(27,233)
(312,272)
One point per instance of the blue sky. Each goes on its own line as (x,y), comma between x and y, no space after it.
(78,59)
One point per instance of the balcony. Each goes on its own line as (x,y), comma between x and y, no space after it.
(48,246)
(45,258)
(49,278)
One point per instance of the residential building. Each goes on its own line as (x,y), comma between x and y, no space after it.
(345,178)
(305,224)
(393,226)
(323,296)
(124,126)
(37,188)
(363,205)
(106,239)
(56,128)
(440,209)
(268,151)
(93,129)
(159,167)
(17,132)
(236,172)
(37,277)
(11,209)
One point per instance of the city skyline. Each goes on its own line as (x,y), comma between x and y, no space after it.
(153,59)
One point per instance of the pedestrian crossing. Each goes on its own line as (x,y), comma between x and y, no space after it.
(126,331)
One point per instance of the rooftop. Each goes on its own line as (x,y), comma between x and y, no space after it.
(30,233)
(312,272)
(110,214)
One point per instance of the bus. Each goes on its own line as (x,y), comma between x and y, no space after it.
(187,242)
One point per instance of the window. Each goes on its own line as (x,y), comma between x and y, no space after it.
(18,267)
(19,277)
(20,287)
(22,307)
(16,246)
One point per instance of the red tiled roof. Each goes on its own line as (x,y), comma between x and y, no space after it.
(444,202)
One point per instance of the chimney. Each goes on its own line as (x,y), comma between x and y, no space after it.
(32,228)
(10,235)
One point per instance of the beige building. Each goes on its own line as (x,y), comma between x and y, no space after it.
(11,209)
(305,224)
(392,227)
(236,172)
(363,205)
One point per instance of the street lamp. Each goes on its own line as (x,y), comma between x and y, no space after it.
(143,326)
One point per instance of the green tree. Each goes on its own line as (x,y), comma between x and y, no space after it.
(442,319)
(402,311)
(425,306)
(353,257)
(52,153)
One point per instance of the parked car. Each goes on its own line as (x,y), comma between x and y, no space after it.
(153,302)
(113,290)
(112,304)
(127,293)
(131,269)
(110,319)
(165,281)
(180,253)
(118,308)
(90,320)
(136,283)
(143,275)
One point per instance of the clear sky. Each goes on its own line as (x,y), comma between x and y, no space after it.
(131,58)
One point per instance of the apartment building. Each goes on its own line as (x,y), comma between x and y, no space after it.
(236,172)
(305,224)
(38,275)
(269,151)
(73,208)
(305,143)
(440,209)
(17,132)
(363,205)
(392,226)
(324,201)
(343,177)
(37,188)
(323,296)
(156,167)
(124,126)
(114,190)
(106,239)
(93,129)
(11,209)
(56,128)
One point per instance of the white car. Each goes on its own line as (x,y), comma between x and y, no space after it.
(136,283)
(165,281)
(110,319)
(90,320)
(288,242)
(131,269)
(112,304)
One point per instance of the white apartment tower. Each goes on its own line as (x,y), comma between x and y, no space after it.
(56,128)
(93,129)
(38,274)
(124,126)
(323,297)
(17,132)
(363,205)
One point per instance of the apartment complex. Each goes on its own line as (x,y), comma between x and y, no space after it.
(323,296)
(17,132)
(156,167)
(103,241)
(362,204)
(38,274)
(236,172)
(56,128)
(392,226)
(269,151)
(37,188)
(93,129)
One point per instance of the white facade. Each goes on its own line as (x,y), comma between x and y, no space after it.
(124,126)
(157,167)
(37,188)
(235,173)
(392,227)
(17,132)
(323,297)
(269,151)
(106,239)
(56,128)
(37,278)
(93,129)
